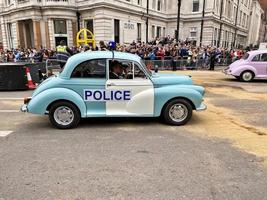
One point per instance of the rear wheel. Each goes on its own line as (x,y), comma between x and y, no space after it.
(177,112)
(247,76)
(64,115)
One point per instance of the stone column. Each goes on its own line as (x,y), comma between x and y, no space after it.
(37,34)
(47,35)
(18,26)
(4,33)
(74,32)
(14,36)
(69,33)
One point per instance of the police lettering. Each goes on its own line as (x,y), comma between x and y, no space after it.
(107,95)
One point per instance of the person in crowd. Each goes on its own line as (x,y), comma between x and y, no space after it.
(212,60)
(166,49)
(63,53)
(102,45)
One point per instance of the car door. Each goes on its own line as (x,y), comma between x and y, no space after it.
(259,62)
(138,86)
(90,76)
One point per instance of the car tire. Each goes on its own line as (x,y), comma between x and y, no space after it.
(247,76)
(64,115)
(177,112)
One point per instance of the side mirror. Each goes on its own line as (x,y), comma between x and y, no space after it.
(156,69)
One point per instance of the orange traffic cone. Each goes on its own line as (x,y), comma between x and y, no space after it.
(30,84)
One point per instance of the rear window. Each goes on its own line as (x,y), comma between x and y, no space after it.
(245,56)
(90,69)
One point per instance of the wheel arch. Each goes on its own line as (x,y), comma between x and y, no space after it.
(239,70)
(41,102)
(164,95)
(248,70)
(176,98)
(62,100)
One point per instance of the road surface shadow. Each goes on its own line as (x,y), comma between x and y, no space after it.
(42,123)
(237,81)
(111,121)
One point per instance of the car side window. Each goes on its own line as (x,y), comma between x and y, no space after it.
(90,69)
(138,73)
(120,69)
(264,57)
(256,58)
(123,69)
(260,58)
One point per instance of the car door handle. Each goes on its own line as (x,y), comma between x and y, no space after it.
(111,84)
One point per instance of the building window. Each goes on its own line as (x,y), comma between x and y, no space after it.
(193,32)
(240,17)
(139,2)
(215,37)
(195,5)
(60,26)
(153,32)
(159,6)
(158,31)
(21,1)
(117,30)
(139,31)
(89,24)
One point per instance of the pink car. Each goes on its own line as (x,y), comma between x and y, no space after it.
(252,65)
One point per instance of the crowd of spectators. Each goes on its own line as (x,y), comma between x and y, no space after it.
(159,49)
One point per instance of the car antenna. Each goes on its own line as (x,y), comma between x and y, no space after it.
(112,55)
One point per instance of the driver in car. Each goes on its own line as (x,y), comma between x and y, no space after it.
(116,70)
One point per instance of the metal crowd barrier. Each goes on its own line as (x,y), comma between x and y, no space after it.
(54,66)
(175,64)
(183,64)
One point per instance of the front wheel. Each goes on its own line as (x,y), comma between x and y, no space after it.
(64,115)
(177,112)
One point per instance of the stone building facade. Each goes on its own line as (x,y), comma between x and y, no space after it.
(35,23)
(257,24)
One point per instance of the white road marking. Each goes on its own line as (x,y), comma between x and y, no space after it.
(5,133)
(9,111)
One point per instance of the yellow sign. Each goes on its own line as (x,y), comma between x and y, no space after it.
(84,36)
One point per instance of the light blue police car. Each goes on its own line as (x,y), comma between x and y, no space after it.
(113,84)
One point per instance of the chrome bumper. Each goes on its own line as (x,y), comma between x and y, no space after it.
(24,108)
(202,107)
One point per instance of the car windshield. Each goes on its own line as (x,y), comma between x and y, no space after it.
(245,56)
(145,68)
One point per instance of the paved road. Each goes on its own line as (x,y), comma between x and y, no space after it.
(130,158)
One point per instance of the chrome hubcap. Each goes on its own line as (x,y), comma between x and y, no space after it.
(247,76)
(63,115)
(178,112)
